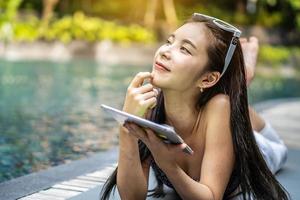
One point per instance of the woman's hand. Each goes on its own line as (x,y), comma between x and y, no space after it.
(163,154)
(139,98)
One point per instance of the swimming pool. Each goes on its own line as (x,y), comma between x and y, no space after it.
(50,114)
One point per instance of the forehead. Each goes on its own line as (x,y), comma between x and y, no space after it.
(194,31)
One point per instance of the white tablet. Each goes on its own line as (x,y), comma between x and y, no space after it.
(165,132)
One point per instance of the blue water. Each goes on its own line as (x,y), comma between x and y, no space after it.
(50,114)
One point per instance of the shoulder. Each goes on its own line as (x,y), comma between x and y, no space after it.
(218,105)
(218,120)
(217,115)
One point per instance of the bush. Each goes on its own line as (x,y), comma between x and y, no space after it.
(79,27)
(26,31)
(279,55)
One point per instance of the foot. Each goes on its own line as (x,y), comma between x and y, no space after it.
(250,51)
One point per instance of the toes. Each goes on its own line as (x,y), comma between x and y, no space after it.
(253,39)
(243,40)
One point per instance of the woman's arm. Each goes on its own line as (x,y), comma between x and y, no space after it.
(131,180)
(132,175)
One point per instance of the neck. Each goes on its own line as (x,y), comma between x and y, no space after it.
(181,112)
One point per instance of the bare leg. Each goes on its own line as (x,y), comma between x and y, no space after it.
(272,147)
(250,51)
(257,122)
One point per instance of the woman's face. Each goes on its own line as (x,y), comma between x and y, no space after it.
(179,62)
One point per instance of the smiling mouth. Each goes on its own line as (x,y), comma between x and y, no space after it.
(160,66)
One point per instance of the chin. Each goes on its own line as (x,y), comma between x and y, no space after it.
(158,81)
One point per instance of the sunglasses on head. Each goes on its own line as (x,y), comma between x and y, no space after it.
(226,27)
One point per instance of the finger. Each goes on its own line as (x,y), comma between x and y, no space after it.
(137,131)
(156,91)
(145,88)
(152,136)
(176,147)
(125,128)
(153,140)
(128,127)
(139,79)
(150,102)
(148,95)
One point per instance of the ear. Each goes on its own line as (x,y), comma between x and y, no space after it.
(208,79)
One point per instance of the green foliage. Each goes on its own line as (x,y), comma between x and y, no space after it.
(287,11)
(283,14)
(79,27)
(26,31)
(262,17)
(8,9)
(295,4)
(8,13)
(279,55)
(269,20)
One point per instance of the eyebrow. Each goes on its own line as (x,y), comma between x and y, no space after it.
(185,41)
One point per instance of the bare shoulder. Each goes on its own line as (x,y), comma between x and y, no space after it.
(218,104)
(216,112)
(218,119)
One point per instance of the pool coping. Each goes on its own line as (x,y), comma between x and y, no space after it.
(31,183)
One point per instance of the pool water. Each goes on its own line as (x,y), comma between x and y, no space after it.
(50,111)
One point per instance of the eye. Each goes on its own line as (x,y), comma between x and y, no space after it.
(185,50)
(168,42)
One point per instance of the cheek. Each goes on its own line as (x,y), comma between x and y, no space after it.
(187,65)
(188,70)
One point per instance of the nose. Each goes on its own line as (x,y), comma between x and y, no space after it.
(165,52)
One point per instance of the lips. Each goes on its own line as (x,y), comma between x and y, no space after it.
(161,66)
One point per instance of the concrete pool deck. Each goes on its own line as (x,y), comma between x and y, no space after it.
(83,179)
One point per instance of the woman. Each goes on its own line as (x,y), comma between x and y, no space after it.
(202,93)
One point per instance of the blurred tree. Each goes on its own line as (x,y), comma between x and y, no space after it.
(48,7)
(241,6)
(169,11)
(251,6)
(283,15)
(32,6)
(149,17)
(289,11)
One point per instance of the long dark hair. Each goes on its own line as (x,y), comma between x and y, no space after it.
(251,175)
